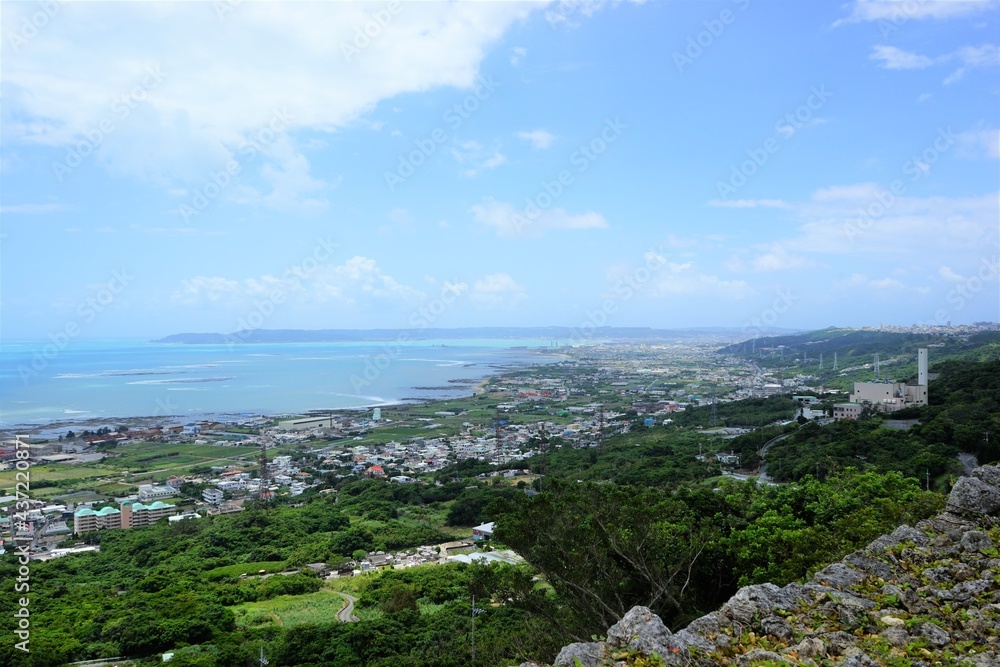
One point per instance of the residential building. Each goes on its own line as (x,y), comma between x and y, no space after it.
(149,492)
(483,532)
(847,410)
(137,515)
(213,496)
(87,520)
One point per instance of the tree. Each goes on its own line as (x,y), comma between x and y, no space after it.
(605,549)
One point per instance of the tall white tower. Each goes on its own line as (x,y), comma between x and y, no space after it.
(922,366)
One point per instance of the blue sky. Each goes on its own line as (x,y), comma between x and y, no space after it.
(212,166)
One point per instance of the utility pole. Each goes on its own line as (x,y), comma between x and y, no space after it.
(475,612)
(928,480)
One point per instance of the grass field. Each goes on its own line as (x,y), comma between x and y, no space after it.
(290,610)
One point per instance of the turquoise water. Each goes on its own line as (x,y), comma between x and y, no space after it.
(41,383)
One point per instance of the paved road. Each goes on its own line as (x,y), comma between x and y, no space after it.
(762,477)
(346,615)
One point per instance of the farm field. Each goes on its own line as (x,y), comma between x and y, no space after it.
(290,610)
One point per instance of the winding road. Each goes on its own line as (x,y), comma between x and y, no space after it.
(346,615)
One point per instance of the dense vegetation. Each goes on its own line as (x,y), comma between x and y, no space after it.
(176,585)
(963,416)
(606,548)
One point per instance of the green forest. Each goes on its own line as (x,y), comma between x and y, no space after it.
(681,551)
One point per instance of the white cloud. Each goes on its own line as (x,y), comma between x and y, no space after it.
(358,279)
(879,287)
(539,139)
(476,158)
(948,274)
(225,76)
(671,279)
(497,290)
(891,57)
(787,130)
(506,221)
(897,11)
(979,142)
(969,57)
(750,203)
(33,209)
(517,54)
(778,258)
(866,222)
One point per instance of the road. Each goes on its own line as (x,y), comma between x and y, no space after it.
(762,477)
(346,615)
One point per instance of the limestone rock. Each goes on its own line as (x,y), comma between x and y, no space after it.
(971,494)
(588,653)
(935,635)
(896,635)
(838,575)
(976,541)
(988,474)
(898,536)
(641,630)
(776,627)
(758,654)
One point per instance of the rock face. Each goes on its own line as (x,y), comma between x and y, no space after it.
(919,596)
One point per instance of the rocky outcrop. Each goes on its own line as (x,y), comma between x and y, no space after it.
(922,596)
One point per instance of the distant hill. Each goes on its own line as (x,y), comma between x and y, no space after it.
(855,350)
(561,335)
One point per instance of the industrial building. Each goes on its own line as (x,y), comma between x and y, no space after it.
(886,395)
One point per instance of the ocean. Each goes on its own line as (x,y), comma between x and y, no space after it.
(42,384)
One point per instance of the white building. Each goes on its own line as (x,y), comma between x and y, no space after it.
(213,496)
(149,492)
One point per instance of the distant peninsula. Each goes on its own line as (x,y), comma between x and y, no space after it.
(562,335)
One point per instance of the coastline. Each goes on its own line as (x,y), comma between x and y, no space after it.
(463,387)
(56,411)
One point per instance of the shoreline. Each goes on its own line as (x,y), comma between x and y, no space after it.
(463,387)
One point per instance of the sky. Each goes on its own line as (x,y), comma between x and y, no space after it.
(216,166)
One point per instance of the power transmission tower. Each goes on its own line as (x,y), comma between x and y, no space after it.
(834,361)
(265,479)
(600,429)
